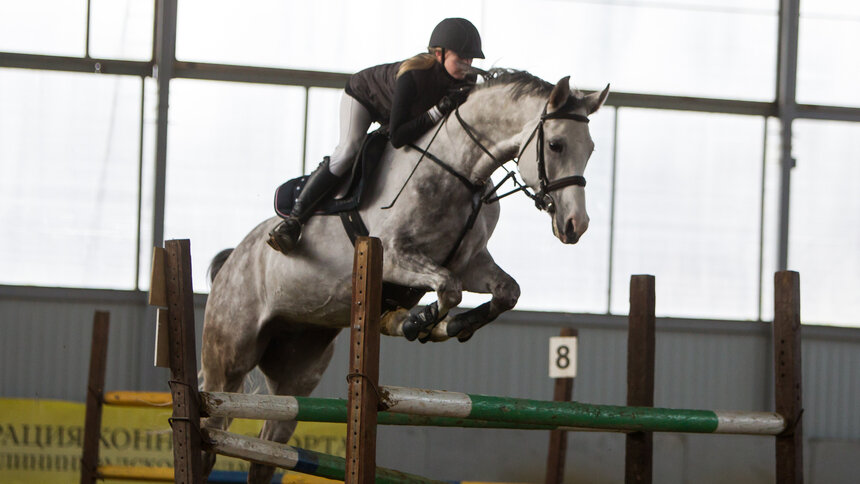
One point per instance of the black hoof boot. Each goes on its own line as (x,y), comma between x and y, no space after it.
(285,236)
(420,322)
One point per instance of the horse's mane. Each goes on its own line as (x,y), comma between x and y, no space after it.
(523,83)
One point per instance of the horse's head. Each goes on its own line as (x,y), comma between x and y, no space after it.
(554,155)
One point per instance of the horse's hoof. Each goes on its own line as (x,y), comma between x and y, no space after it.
(420,322)
(460,329)
(464,325)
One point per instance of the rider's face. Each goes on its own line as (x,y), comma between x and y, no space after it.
(457,66)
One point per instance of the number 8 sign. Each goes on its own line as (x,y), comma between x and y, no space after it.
(562,357)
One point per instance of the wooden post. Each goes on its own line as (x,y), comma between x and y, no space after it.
(640,376)
(364,362)
(787,375)
(95,398)
(558,438)
(187,462)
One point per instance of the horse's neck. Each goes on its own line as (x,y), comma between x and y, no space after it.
(500,124)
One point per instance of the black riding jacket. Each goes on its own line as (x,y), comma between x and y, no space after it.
(401,104)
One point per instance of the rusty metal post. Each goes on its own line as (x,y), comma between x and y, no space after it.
(187,462)
(364,362)
(638,466)
(787,375)
(95,397)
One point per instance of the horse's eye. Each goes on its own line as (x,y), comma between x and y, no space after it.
(556,146)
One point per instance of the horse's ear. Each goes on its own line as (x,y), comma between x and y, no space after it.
(560,93)
(596,99)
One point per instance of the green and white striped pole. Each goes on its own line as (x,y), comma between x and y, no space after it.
(333,410)
(412,406)
(434,403)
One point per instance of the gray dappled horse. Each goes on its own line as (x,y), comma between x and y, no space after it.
(282,313)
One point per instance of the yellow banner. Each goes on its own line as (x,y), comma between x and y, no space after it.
(41,440)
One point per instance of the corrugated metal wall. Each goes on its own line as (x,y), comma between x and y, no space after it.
(44,353)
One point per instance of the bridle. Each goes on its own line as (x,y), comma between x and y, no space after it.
(543,200)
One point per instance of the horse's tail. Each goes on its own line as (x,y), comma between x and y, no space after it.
(218,261)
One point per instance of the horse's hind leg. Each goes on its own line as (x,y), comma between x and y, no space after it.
(226,357)
(293,363)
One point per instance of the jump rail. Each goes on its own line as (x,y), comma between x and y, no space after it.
(785,424)
(414,406)
(187,437)
(432,404)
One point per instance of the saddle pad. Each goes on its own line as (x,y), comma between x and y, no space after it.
(367,160)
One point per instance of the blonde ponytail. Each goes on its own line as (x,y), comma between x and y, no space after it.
(419,62)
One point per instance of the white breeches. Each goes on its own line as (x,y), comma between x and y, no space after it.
(354,122)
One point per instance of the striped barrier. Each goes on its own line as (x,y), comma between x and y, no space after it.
(450,407)
(435,403)
(301,409)
(412,406)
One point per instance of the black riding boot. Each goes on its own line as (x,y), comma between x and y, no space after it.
(285,236)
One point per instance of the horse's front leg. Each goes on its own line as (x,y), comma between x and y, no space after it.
(418,270)
(483,276)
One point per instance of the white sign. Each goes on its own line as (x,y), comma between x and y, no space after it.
(562,357)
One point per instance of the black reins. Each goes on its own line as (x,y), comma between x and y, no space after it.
(543,200)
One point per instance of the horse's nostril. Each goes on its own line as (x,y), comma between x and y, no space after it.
(570,230)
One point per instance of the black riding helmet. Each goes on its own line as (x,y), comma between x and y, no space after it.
(459,35)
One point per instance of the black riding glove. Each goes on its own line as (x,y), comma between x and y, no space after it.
(454,98)
(459,94)
(446,105)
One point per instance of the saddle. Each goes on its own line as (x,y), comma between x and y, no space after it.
(367,161)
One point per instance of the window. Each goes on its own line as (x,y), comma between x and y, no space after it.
(691,48)
(824,239)
(69,147)
(326,35)
(121,29)
(688,211)
(828,63)
(43,27)
(229,146)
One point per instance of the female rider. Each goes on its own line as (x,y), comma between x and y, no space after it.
(407,97)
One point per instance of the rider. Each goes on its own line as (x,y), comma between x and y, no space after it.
(407,97)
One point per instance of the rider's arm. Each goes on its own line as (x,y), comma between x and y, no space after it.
(402,129)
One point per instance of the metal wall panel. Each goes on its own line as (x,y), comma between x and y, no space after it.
(831,389)
(44,353)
